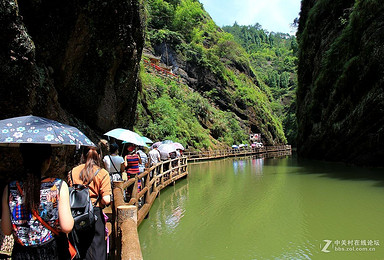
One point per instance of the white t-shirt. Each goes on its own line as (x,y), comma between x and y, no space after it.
(154,155)
(117,161)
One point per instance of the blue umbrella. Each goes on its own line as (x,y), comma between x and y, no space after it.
(126,135)
(145,145)
(146,140)
(235,146)
(39,130)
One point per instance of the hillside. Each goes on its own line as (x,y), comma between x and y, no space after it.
(274,59)
(221,95)
(340,100)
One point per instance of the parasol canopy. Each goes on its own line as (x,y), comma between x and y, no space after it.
(39,130)
(157,144)
(178,146)
(165,150)
(146,140)
(126,135)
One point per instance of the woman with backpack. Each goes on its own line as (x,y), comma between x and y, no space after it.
(36,207)
(92,243)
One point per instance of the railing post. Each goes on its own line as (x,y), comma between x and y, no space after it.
(161,173)
(157,172)
(134,191)
(127,232)
(147,184)
(178,166)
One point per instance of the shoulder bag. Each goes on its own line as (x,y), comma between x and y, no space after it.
(116,176)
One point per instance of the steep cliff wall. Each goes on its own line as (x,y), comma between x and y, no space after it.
(72,61)
(340,99)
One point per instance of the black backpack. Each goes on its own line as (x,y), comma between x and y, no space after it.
(81,205)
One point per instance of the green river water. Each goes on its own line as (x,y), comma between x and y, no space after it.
(275,208)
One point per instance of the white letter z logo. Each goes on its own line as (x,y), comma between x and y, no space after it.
(325,248)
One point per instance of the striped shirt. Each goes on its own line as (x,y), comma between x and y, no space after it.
(133,164)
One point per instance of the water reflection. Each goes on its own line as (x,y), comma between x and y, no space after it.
(257,166)
(172,209)
(238,166)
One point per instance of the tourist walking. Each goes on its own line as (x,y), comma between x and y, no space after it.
(114,163)
(154,155)
(144,159)
(132,161)
(92,242)
(34,206)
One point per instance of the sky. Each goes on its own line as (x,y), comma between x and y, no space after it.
(272,15)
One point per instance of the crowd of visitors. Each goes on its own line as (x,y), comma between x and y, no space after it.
(36,209)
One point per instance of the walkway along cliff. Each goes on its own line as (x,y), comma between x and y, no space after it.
(126,216)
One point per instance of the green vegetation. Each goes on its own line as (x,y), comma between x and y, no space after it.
(274,59)
(239,86)
(178,113)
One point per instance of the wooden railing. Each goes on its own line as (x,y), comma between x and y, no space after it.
(216,154)
(131,206)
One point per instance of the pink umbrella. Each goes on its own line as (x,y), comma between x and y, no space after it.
(165,150)
(178,146)
(157,144)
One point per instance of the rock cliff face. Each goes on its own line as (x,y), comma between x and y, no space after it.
(340,100)
(72,61)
